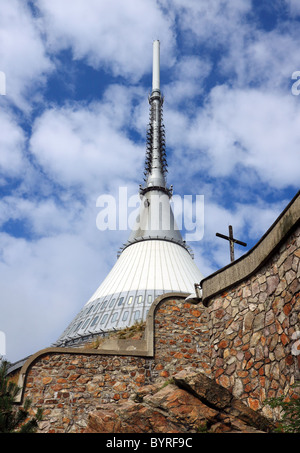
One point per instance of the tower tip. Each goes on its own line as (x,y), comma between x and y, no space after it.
(156,66)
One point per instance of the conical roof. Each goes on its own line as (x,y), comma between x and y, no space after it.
(155,260)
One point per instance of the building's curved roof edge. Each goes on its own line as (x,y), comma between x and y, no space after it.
(182,243)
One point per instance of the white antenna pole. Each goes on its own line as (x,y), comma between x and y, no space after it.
(156,64)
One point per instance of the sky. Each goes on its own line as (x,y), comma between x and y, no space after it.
(73,119)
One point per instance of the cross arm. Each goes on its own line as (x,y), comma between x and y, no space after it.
(231,239)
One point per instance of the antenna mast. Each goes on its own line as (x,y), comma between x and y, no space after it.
(155,164)
(156,67)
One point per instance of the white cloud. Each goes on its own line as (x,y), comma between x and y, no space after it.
(42,218)
(46,281)
(294,7)
(263,134)
(257,130)
(212,22)
(266,59)
(13,162)
(250,221)
(248,53)
(22,53)
(114,35)
(189,74)
(12,146)
(81,145)
(46,288)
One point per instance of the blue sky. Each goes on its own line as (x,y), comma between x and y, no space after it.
(73,127)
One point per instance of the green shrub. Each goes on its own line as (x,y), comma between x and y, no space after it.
(14,419)
(290,420)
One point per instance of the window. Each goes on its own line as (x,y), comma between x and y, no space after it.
(149,298)
(112,303)
(96,307)
(78,325)
(94,321)
(89,309)
(104,318)
(139,299)
(136,315)
(125,315)
(130,300)
(114,318)
(86,323)
(73,328)
(120,301)
(104,305)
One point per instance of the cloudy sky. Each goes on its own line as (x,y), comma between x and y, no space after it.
(73,119)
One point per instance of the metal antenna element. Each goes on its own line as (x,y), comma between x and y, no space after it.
(155,163)
(156,66)
(232,241)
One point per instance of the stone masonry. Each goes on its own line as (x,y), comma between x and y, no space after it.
(252,328)
(244,335)
(244,338)
(67,386)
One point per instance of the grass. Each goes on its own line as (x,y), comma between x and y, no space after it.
(135,332)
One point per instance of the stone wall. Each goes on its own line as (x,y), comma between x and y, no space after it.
(181,337)
(68,386)
(244,336)
(253,328)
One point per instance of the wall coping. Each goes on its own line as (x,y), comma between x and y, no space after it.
(256,257)
(112,346)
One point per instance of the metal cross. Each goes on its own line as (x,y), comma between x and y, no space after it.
(232,241)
